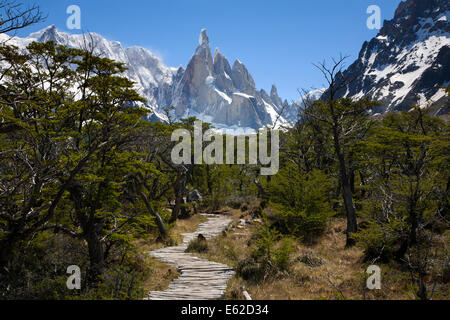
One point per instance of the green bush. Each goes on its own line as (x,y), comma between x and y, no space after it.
(300,208)
(271,258)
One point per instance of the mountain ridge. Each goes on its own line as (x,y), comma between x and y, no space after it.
(408,62)
(208,88)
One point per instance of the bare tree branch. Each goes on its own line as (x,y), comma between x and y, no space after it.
(14,15)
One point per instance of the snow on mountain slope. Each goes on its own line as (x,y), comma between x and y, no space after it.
(152,78)
(409,61)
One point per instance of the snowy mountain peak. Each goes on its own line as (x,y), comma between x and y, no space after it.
(274,91)
(213,91)
(408,62)
(37,35)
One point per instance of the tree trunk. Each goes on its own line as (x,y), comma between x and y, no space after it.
(422,292)
(177,208)
(346,188)
(347,195)
(352,226)
(208,179)
(179,193)
(96,257)
(411,238)
(6,248)
(159,221)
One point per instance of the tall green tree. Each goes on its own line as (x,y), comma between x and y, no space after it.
(408,201)
(37,116)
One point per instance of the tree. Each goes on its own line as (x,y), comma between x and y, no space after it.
(347,122)
(37,113)
(407,206)
(99,191)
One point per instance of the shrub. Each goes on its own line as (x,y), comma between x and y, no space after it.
(197,245)
(302,211)
(271,257)
(234,203)
(311,260)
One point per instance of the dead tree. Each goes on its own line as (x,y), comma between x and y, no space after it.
(14,16)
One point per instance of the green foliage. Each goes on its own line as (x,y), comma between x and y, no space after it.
(409,161)
(271,257)
(303,210)
(68,125)
(83,176)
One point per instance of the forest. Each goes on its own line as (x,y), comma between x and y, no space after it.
(85,180)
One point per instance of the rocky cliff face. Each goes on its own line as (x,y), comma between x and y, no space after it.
(209,88)
(409,60)
(213,91)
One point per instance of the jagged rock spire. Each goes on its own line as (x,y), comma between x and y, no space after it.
(203,39)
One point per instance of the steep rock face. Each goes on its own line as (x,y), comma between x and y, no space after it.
(242,79)
(213,91)
(408,62)
(222,71)
(275,98)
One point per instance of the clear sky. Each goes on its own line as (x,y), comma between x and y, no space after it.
(277,40)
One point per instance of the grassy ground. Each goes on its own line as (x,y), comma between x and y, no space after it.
(325,270)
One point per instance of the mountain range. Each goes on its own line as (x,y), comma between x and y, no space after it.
(407,63)
(209,88)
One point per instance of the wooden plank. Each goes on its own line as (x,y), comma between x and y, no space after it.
(200,279)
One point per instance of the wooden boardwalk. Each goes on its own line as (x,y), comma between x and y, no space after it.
(200,279)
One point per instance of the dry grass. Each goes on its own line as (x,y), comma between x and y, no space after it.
(160,276)
(335,272)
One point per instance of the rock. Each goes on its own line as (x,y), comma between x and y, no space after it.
(194,196)
(275,97)
(201,237)
(227,95)
(242,79)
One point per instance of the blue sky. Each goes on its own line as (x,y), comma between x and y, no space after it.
(277,40)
